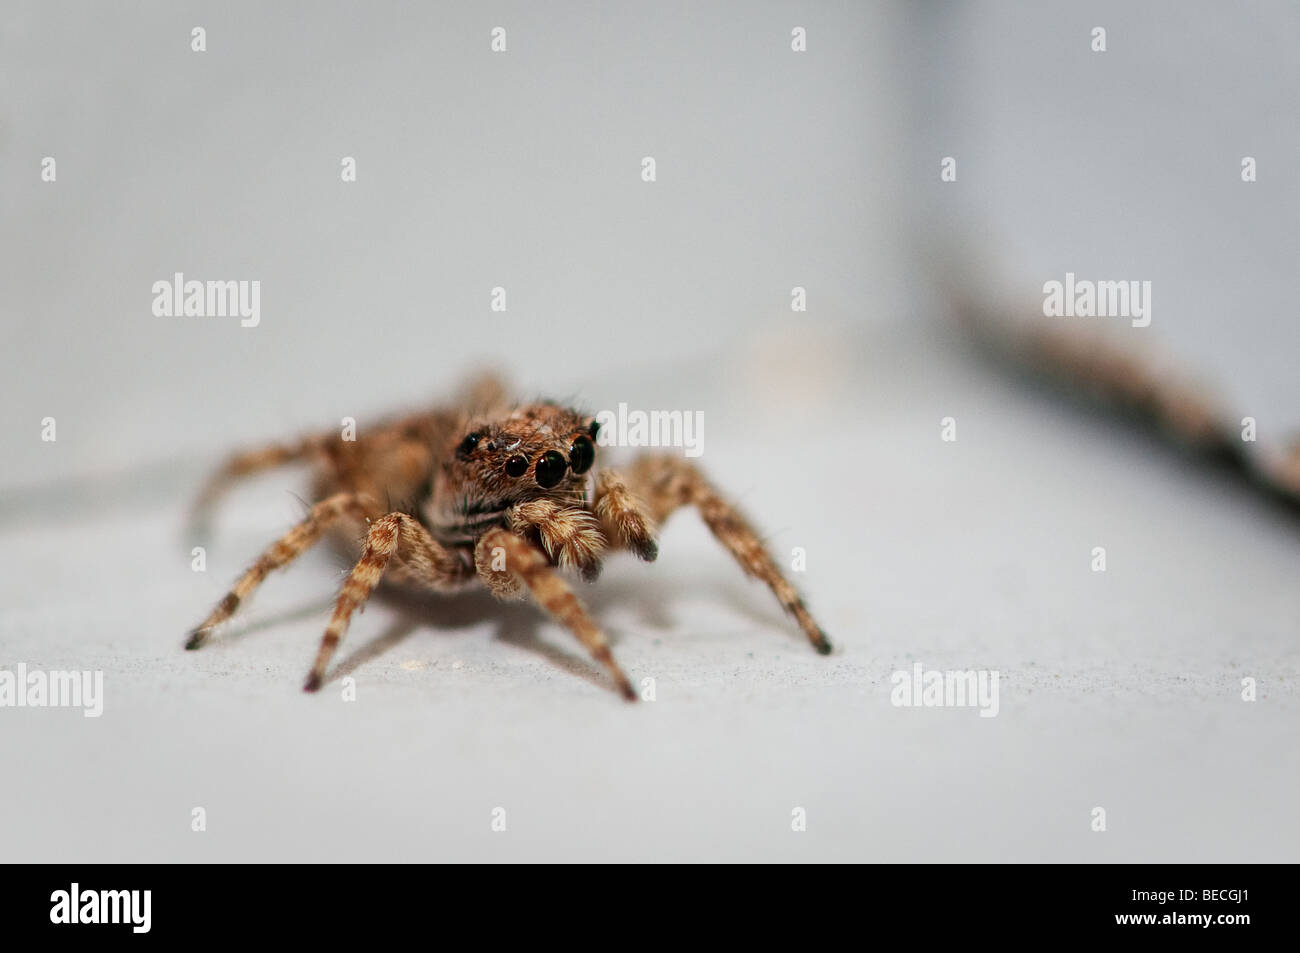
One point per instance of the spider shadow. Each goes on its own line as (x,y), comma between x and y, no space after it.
(651,595)
(238,629)
(518,623)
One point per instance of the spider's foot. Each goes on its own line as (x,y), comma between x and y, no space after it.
(224,610)
(196,638)
(645,548)
(811,629)
(313,683)
(637,533)
(626,689)
(580,552)
(585,559)
(605,658)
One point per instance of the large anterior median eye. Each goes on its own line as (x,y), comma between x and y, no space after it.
(582,454)
(516,465)
(550,469)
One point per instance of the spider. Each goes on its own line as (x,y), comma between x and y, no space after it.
(494,494)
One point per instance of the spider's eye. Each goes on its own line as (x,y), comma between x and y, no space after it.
(516,465)
(467,445)
(581,454)
(550,469)
(594,429)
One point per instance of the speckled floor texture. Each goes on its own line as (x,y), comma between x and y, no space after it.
(1118,689)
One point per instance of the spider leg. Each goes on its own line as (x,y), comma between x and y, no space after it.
(528,565)
(624,516)
(668,482)
(247,463)
(570,536)
(282,552)
(418,558)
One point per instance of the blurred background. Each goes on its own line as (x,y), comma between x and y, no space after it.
(775,169)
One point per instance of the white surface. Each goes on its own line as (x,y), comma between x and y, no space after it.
(1118,690)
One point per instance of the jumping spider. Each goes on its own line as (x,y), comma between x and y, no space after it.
(493,494)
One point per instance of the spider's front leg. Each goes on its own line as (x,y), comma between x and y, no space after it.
(667,482)
(624,516)
(570,535)
(418,556)
(505,560)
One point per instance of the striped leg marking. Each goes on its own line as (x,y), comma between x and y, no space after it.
(667,482)
(293,544)
(528,564)
(394,534)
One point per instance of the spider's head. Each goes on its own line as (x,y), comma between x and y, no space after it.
(539,450)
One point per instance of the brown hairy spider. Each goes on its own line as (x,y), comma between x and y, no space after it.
(492,494)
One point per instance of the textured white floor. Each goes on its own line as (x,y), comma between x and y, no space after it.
(1118,690)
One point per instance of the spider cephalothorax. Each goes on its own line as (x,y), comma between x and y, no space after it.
(501,496)
(541,452)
